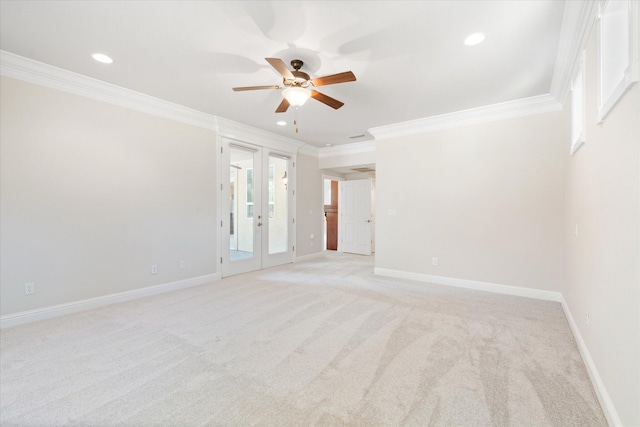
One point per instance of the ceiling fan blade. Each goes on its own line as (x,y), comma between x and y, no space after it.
(325,99)
(280,67)
(347,76)
(284,105)
(240,89)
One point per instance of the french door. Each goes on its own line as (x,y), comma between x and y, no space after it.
(257,208)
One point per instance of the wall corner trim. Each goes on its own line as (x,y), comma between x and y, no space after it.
(577,20)
(471,284)
(488,113)
(601,392)
(23,317)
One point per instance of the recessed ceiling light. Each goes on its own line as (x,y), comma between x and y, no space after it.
(328,145)
(281,123)
(474,39)
(101,57)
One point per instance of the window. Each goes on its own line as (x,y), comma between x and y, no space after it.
(617,52)
(578,122)
(272,191)
(249,193)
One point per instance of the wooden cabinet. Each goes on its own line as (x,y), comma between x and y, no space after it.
(331,215)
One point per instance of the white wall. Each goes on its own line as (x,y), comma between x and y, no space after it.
(602,263)
(486,199)
(309,208)
(93,194)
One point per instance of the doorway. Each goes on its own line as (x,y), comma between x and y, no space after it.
(257,219)
(331,214)
(357,216)
(349,215)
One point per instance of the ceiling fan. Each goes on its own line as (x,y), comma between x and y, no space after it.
(297,84)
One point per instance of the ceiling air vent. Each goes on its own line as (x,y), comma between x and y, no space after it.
(363,170)
(357,136)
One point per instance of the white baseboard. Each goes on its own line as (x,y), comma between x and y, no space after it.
(471,284)
(308,257)
(23,317)
(603,397)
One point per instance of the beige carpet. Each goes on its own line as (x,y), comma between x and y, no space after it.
(317,343)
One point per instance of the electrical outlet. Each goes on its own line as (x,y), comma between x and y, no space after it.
(29,288)
(183,265)
(434,261)
(154,269)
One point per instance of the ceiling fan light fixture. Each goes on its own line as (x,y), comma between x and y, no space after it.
(296,96)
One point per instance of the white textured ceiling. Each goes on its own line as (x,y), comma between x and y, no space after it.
(408,57)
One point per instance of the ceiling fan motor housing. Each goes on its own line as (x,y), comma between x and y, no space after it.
(300,78)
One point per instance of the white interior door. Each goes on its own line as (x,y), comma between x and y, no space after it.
(355,217)
(256,208)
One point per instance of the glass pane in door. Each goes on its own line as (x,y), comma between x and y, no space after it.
(278,204)
(241,208)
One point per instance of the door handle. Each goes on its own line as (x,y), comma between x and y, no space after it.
(259,224)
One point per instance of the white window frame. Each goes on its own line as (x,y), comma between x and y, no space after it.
(617,52)
(578,108)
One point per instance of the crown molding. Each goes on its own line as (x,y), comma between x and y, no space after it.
(310,150)
(21,68)
(347,149)
(245,133)
(577,21)
(489,113)
(18,67)
(339,150)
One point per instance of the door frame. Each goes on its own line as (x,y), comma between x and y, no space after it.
(324,221)
(371,215)
(266,260)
